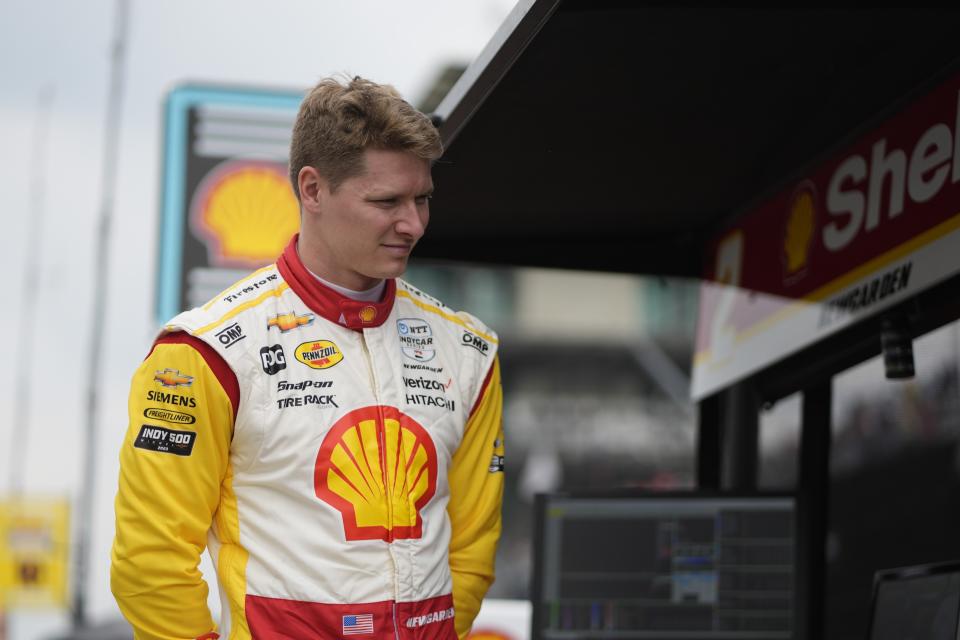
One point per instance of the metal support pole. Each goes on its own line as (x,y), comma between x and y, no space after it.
(709,437)
(814,490)
(101,274)
(739,447)
(20,431)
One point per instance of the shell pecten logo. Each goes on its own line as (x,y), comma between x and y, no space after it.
(318,354)
(245,212)
(801,222)
(378,467)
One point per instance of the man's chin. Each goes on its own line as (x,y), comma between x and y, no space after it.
(393,270)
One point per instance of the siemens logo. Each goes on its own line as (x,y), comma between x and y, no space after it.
(171,398)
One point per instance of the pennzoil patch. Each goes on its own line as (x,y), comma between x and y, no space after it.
(154,438)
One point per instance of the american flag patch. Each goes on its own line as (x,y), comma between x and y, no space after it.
(358,624)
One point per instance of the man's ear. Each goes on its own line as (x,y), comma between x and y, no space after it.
(312,188)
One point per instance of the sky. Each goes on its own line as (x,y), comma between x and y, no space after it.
(59,49)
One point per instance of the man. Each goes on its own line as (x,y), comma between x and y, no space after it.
(332,433)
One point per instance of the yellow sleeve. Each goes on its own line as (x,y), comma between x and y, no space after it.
(172,462)
(476,493)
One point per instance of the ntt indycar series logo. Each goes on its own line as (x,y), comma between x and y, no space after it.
(416,339)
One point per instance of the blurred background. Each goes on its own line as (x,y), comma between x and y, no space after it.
(597,397)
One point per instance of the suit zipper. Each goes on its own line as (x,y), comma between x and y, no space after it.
(375,388)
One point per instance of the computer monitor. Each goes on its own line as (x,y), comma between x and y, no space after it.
(917,602)
(664,566)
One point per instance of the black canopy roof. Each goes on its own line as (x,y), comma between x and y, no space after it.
(618,135)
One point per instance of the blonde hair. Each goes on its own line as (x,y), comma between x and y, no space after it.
(338,121)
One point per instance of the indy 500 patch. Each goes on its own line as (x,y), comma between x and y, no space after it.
(154,438)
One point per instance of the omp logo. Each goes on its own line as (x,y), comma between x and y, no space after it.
(230,336)
(173,378)
(378,467)
(318,354)
(470,340)
(801,223)
(168,415)
(288,321)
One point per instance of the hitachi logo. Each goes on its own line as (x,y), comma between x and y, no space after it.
(429,618)
(431,401)
(921,176)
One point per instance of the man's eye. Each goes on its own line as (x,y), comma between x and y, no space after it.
(387,202)
(423,199)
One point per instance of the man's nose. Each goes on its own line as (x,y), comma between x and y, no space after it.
(413,220)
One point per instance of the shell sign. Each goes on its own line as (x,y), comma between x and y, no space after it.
(246,213)
(378,468)
(227,207)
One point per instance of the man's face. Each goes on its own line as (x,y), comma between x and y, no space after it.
(365,230)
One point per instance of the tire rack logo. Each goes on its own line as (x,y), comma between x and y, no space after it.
(173,378)
(272,359)
(416,339)
(230,336)
(318,354)
(289,321)
(374,463)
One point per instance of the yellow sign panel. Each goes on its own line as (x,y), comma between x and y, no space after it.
(34,545)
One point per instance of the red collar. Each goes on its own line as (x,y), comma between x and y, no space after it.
(329,303)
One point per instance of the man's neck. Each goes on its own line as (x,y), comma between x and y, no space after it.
(372,293)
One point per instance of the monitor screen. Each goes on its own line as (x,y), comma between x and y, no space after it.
(916,603)
(664,567)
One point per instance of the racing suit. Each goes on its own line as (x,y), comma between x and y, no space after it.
(341,460)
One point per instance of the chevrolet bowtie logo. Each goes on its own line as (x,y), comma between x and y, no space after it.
(173,378)
(287,321)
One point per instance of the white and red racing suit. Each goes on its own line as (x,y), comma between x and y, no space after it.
(341,460)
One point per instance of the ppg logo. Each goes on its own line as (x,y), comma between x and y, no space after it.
(272,359)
